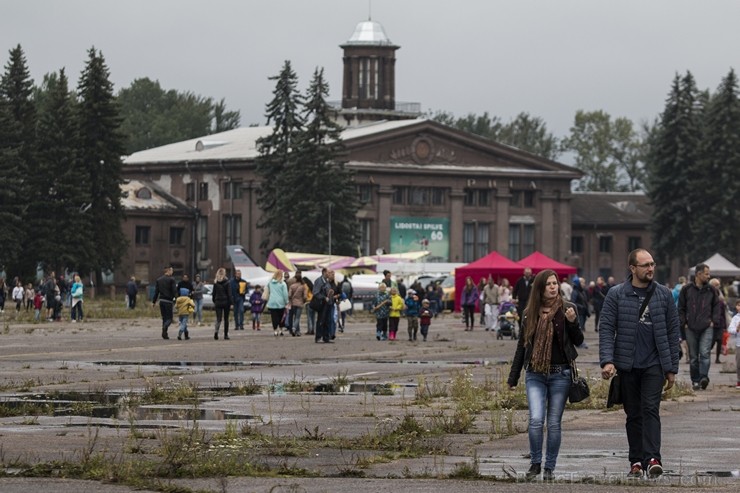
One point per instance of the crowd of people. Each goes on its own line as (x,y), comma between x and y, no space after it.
(284,298)
(46,299)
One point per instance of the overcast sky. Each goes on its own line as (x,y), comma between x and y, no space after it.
(548,57)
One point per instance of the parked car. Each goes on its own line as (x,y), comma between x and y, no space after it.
(448,288)
(208,298)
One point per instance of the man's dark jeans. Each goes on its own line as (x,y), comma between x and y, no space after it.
(641,391)
(165,309)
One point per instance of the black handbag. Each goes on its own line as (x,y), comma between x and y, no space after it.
(578,385)
(615,392)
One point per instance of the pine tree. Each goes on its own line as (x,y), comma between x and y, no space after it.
(672,160)
(61,184)
(16,88)
(100,150)
(716,185)
(330,185)
(276,158)
(12,233)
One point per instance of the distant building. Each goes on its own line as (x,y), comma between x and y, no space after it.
(606,226)
(422,185)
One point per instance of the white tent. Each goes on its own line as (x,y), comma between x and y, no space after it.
(719,267)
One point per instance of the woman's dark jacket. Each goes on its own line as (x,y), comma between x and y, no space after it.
(222,293)
(571,337)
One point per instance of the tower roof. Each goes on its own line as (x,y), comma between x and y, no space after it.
(369,33)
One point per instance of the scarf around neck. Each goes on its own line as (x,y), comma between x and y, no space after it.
(543,336)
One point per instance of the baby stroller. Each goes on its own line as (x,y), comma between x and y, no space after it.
(507,320)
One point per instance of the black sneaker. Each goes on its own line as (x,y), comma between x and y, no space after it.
(548,475)
(695,386)
(534,471)
(655,468)
(635,471)
(215,336)
(703,383)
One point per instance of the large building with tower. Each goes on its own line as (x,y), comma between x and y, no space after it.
(421,184)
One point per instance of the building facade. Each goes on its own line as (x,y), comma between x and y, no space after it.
(422,185)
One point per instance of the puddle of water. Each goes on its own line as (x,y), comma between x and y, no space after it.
(197,363)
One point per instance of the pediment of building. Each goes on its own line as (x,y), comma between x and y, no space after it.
(429,143)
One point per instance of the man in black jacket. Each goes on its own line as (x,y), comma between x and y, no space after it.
(698,311)
(166,292)
(522,288)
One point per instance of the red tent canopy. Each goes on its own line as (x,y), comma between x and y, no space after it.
(539,261)
(493,264)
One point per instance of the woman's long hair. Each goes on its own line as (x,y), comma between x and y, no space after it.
(278,275)
(535,302)
(469,285)
(220,274)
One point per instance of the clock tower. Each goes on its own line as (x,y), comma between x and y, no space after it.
(369,82)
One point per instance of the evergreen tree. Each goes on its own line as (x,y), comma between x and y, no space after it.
(716,185)
(100,149)
(61,185)
(327,187)
(12,199)
(16,87)
(672,162)
(276,158)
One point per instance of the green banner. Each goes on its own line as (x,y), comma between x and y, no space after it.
(411,234)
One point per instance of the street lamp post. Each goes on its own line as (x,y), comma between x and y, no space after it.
(330,231)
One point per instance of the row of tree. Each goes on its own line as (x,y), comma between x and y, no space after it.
(693,172)
(61,160)
(307,196)
(610,152)
(60,165)
(688,162)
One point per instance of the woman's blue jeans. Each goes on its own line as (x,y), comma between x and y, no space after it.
(546,396)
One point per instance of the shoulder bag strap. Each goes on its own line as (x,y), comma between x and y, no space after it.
(645,302)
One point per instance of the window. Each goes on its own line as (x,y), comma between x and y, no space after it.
(528,198)
(419,196)
(521,240)
(144,193)
(484,198)
(365,194)
(605,244)
(477,197)
(468,242)
(190,192)
(142,235)
(399,195)
(365,225)
(576,244)
(516,198)
(203,191)
(233,229)
(203,238)
(438,196)
(177,236)
(475,240)
(522,198)
(482,240)
(232,190)
(633,243)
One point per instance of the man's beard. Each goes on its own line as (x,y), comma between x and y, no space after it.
(646,278)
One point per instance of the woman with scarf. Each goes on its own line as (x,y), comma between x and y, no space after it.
(545,350)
